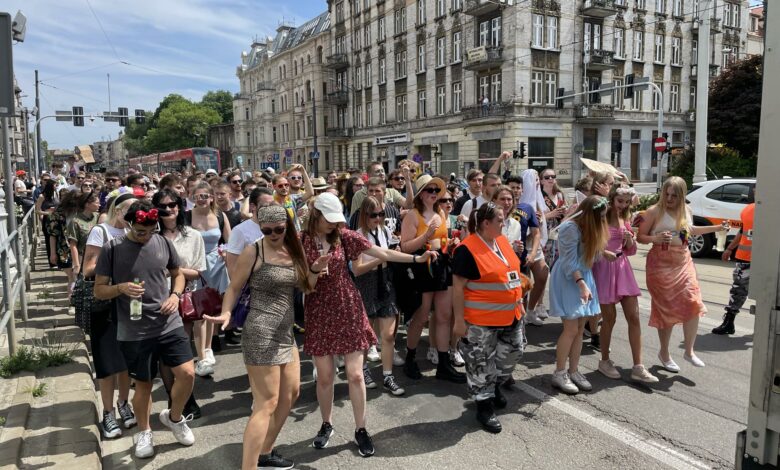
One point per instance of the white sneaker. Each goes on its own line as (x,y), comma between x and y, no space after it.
(433,356)
(561,380)
(144,444)
(531,318)
(398,360)
(373,354)
(581,382)
(208,357)
(180,430)
(203,368)
(541,311)
(608,369)
(640,374)
(339,362)
(456,358)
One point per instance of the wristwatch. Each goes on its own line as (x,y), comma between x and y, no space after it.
(177,294)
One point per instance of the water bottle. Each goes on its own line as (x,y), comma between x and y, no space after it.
(136,307)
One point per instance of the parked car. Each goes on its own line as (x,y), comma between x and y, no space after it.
(714,201)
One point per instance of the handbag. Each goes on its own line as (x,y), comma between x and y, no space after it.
(83,299)
(187,307)
(207,300)
(241,310)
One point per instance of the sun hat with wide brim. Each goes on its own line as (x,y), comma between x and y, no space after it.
(319,183)
(426,180)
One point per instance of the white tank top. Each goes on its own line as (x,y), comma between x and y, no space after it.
(667,224)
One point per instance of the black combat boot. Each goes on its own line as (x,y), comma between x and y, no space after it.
(499,400)
(487,417)
(410,367)
(445,370)
(727,327)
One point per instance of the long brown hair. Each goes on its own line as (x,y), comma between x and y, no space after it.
(593,226)
(295,249)
(555,189)
(613,214)
(310,226)
(370,204)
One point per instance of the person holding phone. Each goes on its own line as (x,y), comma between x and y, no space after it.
(573,295)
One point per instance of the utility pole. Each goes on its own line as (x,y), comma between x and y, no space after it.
(315,161)
(108,81)
(38,158)
(702,91)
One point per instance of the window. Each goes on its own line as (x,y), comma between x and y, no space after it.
(420,12)
(677,8)
(441,8)
(400,108)
(356,7)
(369,114)
(400,21)
(456,47)
(537,87)
(692,97)
(695,52)
(660,6)
(636,101)
(495,32)
(382,70)
(551,85)
(341,44)
(381,28)
(592,37)
(484,33)
(358,77)
(359,115)
(657,97)
(674,98)
(367,35)
(541,38)
(382,112)
(400,64)
(541,152)
(356,40)
(441,43)
(738,193)
(484,87)
(731,15)
(495,87)
(620,43)
(617,95)
(246,113)
(457,97)
(340,12)
(641,4)
(367,74)
(457,5)
(639,39)
(676,54)
(421,58)
(421,113)
(659,48)
(441,96)
(273,134)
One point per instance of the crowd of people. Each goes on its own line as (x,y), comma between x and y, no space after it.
(190,262)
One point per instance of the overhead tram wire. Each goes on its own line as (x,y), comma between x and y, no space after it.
(73,93)
(104,31)
(69,74)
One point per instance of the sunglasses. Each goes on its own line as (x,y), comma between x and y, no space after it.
(113,180)
(170,205)
(144,233)
(295,178)
(399,178)
(79,177)
(374,215)
(237,181)
(445,200)
(549,177)
(432,190)
(276,230)
(203,197)
(86,186)
(283,185)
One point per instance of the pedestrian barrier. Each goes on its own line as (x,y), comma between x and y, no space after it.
(19,245)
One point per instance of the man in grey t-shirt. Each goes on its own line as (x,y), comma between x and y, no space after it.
(159,334)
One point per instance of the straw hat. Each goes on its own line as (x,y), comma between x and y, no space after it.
(425,180)
(319,183)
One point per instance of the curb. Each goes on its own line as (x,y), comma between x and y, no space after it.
(12,435)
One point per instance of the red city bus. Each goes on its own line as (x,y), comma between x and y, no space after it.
(199,158)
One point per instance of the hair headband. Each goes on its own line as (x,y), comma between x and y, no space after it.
(271,214)
(625,191)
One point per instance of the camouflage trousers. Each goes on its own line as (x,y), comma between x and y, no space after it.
(739,287)
(490,354)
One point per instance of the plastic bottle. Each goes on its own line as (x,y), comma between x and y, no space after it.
(136,306)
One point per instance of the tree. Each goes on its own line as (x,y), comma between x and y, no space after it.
(182,124)
(135,135)
(220,101)
(735,106)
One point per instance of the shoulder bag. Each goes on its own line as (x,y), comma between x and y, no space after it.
(241,310)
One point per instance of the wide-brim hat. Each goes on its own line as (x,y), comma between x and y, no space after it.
(426,180)
(319,183)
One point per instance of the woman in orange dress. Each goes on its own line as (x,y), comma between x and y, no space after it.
(670,272)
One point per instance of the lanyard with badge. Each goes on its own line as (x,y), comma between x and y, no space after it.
(512,275)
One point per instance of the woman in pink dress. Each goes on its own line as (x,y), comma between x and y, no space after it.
(615,283)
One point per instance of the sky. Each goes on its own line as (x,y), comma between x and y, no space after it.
(150,48)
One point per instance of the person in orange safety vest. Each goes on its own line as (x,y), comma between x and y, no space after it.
(487,295)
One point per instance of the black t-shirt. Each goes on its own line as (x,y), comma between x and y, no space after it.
(464,264)
(392,218)
(233,216)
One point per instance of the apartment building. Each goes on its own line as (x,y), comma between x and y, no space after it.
(452,83)
(755,33)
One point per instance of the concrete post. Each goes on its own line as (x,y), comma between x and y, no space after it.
(702,91)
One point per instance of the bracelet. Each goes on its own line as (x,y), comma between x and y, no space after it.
(578,280)
(177,294)
(314,272)
(414,259)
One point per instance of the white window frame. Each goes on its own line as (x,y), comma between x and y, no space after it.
(495,87)
(441,8)
(457,54)
(369,114)
(495,32)
(441,100)
(551,85)
(636,101)
(537,87)
(382,112)
(617,95)
(677,8)
(484,33)
(422,112)
(660,6)
(537,31)
(420,12)
(552,32)
(367,35)
(619,42)
(441,51)
(657,97)
(692,97)
(421,58)
(658,55)
(674,98)
(676,50)
(638,52)
(381,34)
(457,97)
(359,115)
(382,70)
(367,75)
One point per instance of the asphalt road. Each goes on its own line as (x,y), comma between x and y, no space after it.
(686,421)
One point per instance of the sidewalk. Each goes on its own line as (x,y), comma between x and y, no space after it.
(58,429)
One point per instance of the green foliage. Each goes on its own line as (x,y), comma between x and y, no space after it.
(721,161)
(645,201)
(180,125)
(735,106)
(35,359)
(220,101)
(2,420)
(39,390)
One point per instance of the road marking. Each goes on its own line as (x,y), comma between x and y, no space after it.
(705,322)
(660,452)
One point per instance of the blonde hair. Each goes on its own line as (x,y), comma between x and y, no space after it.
(593,227)
(203,185)
(680,214)
(614,192)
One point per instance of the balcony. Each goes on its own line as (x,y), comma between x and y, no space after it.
(483,58)
(338,61)
(594,111)
(599,8)
(489,111)
(337,98)
(339,132)
(601,59)
(484,7)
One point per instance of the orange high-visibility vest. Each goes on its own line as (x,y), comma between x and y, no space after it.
(490,301)
(745,248)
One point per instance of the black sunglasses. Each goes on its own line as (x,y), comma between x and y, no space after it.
(170,205)
(432,190)
(237,181)
(445,200)
(374,215)
(276,230)
(399,178)
(549,177)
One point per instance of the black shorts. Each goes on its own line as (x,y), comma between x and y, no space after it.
(172,349)
(106,354)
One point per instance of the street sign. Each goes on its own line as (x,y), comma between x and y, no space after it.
(269,158)
(7,97)
(276,157)
(288,153)
(660,144)
(315,156)
(417,158)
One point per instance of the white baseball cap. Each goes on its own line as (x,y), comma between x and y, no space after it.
(211,171)
(331,208)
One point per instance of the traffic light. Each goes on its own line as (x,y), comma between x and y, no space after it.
(629,90)
(559,98)
(522,150)
(140,116)
(78,116)
(123,117)
(668,142)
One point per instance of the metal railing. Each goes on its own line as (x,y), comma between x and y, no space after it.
(21,243)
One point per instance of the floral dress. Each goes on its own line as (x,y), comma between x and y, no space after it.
(550,248)
(58,224)
(336,321)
